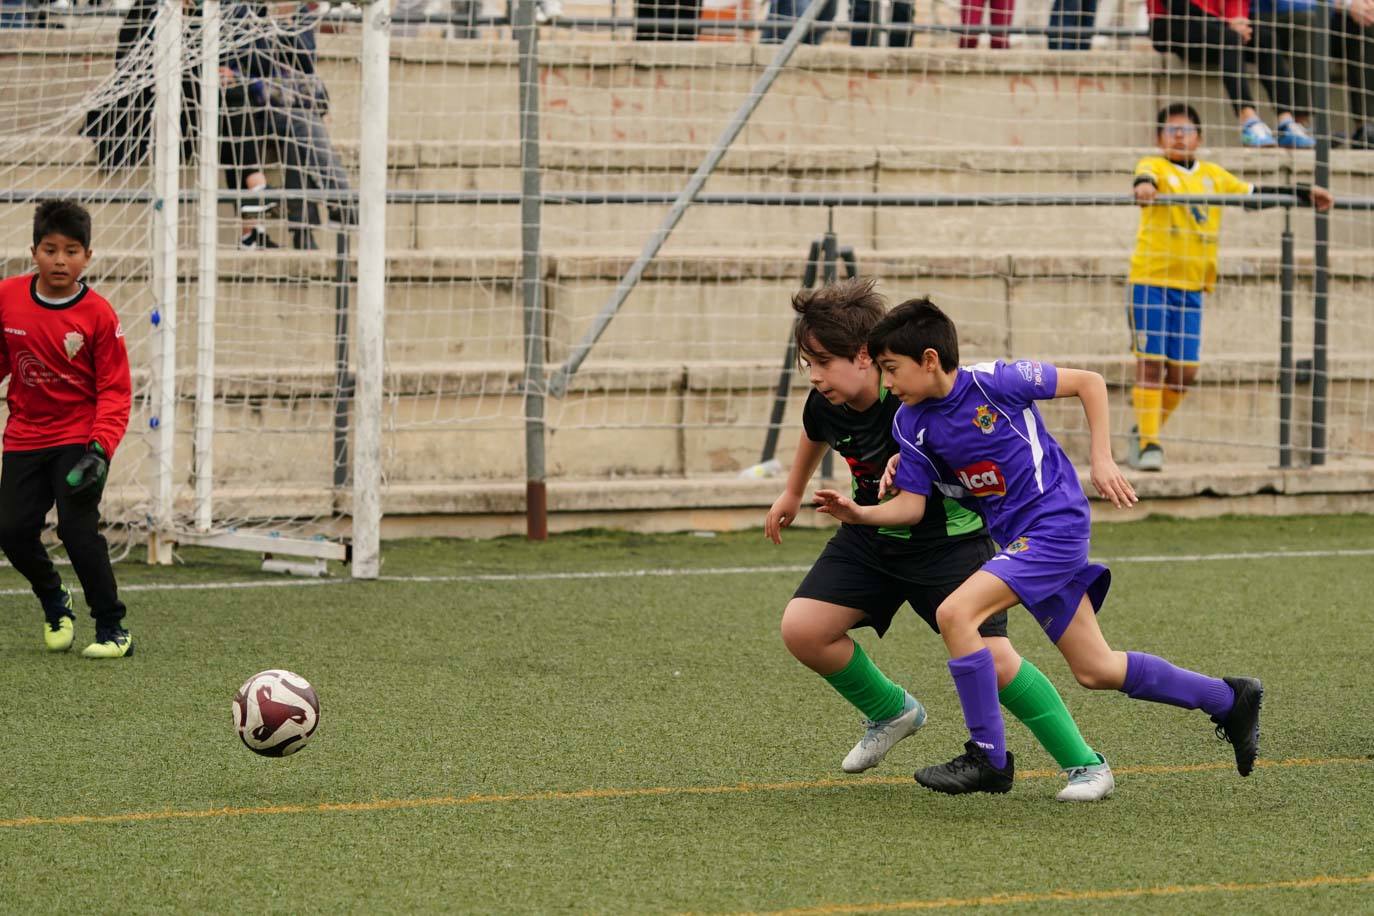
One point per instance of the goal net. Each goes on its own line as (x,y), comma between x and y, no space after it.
(223,253)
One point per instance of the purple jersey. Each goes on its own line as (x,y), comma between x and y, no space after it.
(986,440)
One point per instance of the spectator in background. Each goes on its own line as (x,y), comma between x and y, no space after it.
(295,104)
(1068,19)
(971,14)
(782,14)
(121,126)
(870,12)
(1352,41)
(240,154)
(1292,23)
(25,14)
(243,64)
(275,101)
(1218,35)
(682,13)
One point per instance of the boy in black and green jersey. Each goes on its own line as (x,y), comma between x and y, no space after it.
(865,574)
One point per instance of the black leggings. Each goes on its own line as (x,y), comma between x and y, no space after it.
(30,483)
(1204,40)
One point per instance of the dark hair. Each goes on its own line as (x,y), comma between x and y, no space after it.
(838,316)
(63,217)
(1174,109)
(914,327)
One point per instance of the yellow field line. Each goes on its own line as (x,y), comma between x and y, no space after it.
(1118,893)
(454,801)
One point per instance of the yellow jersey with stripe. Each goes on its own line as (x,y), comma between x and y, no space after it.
(1176,245)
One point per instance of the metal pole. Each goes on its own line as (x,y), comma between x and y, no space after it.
(830,253)
(1286,343)
(536,496)
(166,203)
(367,425)
(1321,78)
(208,288)
(789,361)
(559,383)
(344,383)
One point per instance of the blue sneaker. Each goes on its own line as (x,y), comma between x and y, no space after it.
(1255,132)
(1293,135)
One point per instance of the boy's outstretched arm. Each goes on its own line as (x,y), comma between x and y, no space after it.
(1091,389)
(902,509)
(786,506)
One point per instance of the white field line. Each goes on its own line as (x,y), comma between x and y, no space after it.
(703,571)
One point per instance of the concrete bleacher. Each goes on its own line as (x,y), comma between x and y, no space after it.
(1042,281)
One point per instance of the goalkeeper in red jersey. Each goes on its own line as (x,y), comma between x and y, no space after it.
(69,394)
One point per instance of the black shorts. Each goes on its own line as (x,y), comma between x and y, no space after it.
(873,573)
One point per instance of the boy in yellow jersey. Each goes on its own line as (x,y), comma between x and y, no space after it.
(1174,263)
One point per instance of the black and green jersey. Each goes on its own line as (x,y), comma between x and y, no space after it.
(864,439)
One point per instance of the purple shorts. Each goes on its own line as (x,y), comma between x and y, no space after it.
(1051,575)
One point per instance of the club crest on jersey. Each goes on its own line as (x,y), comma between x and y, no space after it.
(73,343)
(983,479)
(985,419)
(1020,545)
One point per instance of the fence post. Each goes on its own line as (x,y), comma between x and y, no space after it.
(1286,342)
(531,279)
(1321,92)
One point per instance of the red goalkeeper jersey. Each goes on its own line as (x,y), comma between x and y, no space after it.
(68,368)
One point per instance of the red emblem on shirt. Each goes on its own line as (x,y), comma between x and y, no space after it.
(983,479)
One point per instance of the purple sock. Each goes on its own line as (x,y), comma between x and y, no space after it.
(975,679)
(1149,677)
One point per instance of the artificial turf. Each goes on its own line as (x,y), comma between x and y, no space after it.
(464,721)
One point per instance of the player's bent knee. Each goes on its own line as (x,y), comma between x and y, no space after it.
(79,534)
(1095,677)
(801,636)
(952,616)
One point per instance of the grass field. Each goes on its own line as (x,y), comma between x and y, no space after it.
(640,742)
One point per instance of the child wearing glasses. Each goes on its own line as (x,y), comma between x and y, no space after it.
(1174,264)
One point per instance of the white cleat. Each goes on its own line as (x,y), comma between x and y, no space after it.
(1086,784)
(881,737)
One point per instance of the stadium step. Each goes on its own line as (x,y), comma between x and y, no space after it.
(278,307)
(444,168)
(670,93)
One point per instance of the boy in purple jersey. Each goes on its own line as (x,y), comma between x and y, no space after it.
(976,434)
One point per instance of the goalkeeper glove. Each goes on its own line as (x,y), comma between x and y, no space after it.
(89,471)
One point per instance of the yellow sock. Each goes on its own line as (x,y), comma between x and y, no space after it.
(1147,403)
(1172,398)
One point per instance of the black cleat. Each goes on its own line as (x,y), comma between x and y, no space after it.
(1241,725)
(971,771)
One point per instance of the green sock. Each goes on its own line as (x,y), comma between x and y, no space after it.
(1032,698)
(861,683)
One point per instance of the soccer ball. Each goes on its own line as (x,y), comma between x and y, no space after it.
(275,713)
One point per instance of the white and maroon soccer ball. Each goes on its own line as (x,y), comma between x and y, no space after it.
(275,713)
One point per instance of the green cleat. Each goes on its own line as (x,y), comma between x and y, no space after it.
(110,644)
(59,624)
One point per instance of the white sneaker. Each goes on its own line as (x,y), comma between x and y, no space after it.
(881,737)
(1091,783)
